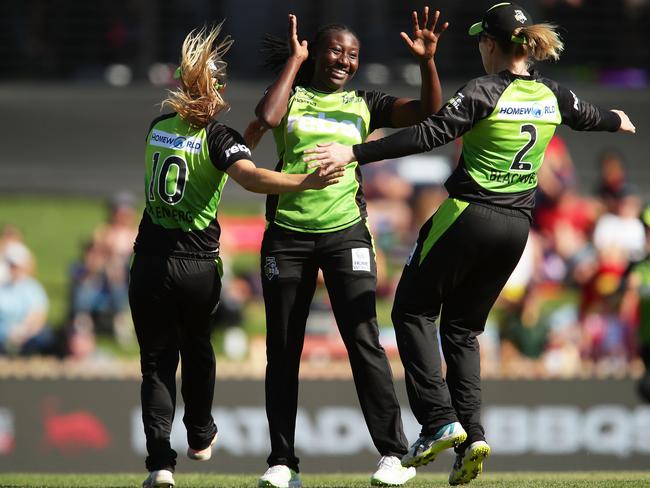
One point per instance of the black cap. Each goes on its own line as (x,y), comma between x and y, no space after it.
(501,20)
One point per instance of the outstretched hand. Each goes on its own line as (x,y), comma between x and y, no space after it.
(329,157)
(319,179)
(626,124)
(425,39)
(298,49)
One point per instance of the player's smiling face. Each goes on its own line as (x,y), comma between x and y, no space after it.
(336,60)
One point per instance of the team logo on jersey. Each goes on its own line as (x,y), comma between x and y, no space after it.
(176,142)
(520,16)
(321,124)
(271,268)
(350,98)
(236,149)
(527,110)
(455,101)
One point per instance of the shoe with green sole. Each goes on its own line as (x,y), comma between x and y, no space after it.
(427,447)
(469,463)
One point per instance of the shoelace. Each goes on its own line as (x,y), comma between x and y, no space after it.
(276,469)
(421,445)
(389,462)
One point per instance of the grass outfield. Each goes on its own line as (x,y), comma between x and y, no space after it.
(605,479)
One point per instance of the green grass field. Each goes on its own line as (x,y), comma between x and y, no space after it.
(606,479)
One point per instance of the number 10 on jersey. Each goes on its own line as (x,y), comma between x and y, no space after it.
(167,179)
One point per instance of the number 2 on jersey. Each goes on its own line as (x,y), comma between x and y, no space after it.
(517,164)
(169,181)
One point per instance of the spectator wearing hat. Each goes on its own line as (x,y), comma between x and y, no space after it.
(23,306)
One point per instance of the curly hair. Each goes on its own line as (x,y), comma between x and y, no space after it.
(276,51)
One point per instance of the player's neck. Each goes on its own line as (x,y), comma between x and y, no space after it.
(515,66)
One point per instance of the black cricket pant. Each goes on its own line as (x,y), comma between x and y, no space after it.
(464,255)
(290,263)
(171,301)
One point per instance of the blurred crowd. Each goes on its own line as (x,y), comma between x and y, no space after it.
(573,306)
(578,303)
(97,296)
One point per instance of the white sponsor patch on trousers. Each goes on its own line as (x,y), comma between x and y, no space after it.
(361,259)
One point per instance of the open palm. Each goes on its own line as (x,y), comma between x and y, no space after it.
(425,39)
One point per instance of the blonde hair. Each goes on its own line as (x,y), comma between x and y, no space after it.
(197,100)
(542,42)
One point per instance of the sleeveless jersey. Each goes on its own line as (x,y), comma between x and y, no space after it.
(312,118)
(506,122)
(184,176)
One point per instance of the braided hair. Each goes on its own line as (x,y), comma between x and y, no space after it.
(276,51)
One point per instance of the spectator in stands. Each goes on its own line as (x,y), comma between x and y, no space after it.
(98,295)
(621,227)
(612,181)
(23,306)
(99,282)
(118,233)
(10,234)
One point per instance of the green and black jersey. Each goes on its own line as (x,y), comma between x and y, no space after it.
(315,117)
(506,121)
(184,176)
(642,270)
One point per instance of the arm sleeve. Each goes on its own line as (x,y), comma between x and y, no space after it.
(581,115)
(380,107)
(469,105)
(226,146)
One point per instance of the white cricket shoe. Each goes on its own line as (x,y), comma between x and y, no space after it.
(390,472)
(162,478)
(279,476)
(202,454)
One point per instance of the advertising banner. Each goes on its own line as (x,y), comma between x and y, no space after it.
(95,426)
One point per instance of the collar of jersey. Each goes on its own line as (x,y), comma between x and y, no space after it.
(533,75)
(324,94)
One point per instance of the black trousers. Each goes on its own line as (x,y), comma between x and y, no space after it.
(171,302)
(290,263)
(463,258)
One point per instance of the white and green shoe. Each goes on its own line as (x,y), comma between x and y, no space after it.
(279,476)
(390,472)
(469,463)
(427,447)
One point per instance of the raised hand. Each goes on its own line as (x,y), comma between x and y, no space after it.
(425,39)
(626,124)
(298,49)
(329,157)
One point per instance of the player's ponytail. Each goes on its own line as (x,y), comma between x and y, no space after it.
(542,41)
(197,100)
(276,51)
